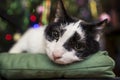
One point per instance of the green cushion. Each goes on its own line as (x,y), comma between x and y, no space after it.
(40,66)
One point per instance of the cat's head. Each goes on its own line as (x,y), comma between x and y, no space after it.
(69,40)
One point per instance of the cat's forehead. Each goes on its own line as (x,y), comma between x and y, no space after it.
(70,31)
(74,27)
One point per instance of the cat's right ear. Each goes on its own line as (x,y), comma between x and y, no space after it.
(61,13)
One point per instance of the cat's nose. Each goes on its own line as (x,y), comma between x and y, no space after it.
(56,56)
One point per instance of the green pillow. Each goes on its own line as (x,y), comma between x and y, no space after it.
(98,65)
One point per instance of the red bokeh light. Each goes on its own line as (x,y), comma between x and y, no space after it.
(8,37)
(33,18)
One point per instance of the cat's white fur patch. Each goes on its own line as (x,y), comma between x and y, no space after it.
(32,41)
(68,57)
(70,30)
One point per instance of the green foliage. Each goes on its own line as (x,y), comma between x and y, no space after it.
(3,25)
(71,6)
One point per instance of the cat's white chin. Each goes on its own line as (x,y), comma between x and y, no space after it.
(68,58)
(63,61)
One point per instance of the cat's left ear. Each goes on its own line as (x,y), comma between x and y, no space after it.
(100,25)
(61,13)
(91,26)
(94,28)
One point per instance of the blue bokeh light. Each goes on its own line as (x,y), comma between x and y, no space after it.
(35,26)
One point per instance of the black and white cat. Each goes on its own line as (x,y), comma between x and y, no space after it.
(66,40)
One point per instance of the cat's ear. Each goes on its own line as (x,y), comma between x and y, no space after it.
(61,13)
(94,28)
(100,25)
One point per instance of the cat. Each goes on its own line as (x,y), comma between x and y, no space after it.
(65,40)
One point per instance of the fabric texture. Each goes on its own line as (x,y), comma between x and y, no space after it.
(98,65)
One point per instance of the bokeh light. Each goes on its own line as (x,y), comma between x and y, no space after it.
(36,26)
(8,37)
(17,36)
(33,18)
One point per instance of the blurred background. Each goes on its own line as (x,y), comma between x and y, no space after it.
(16,16)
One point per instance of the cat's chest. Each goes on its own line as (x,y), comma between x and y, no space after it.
(36,40)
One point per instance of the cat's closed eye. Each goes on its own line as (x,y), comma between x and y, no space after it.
(55,34)
(79,46)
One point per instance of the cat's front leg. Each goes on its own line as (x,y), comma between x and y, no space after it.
(17,48)
(21,45)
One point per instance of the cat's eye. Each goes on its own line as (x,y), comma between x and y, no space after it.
(79,47)
(55,34)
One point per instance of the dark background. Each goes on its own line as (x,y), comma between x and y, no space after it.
(16,16)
